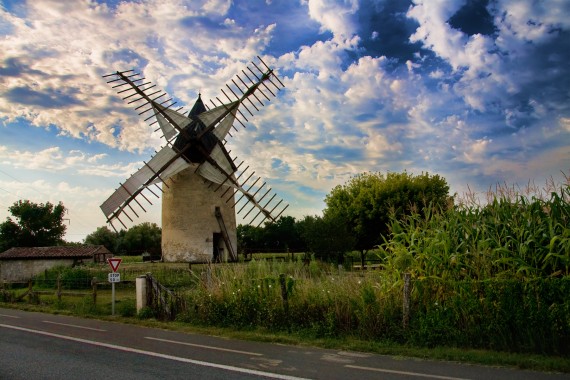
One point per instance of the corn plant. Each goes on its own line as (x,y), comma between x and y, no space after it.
(509,237)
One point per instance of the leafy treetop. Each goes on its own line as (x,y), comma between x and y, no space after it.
(34,225)
(367,201)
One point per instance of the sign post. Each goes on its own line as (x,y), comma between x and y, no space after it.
(113,278)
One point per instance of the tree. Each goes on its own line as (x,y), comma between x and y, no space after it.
(104,236)
(144,237)
(367,201)
(327,237)
(35,225)
(283,235)
(249,238)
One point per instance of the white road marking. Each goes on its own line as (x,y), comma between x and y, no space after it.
(405,373)
(158,355)
(76,326)
(9,316)
(202,346)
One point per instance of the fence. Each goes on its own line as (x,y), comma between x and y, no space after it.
(36,288)
(164,303)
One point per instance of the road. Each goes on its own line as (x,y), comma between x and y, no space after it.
(45,346)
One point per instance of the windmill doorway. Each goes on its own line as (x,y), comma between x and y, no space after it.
(218,247)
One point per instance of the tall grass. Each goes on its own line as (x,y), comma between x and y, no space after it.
(501,314)
(322,300)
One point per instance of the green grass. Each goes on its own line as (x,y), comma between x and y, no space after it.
(130,259)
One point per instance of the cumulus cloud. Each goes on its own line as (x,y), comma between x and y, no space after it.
(339,17)
(384,86)
(53,159)
(55,57)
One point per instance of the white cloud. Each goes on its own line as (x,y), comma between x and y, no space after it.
(337,17)
(434,31)
(217,6)
(338,116)
(530,21)
(59,52)
(565,123)
(55,160)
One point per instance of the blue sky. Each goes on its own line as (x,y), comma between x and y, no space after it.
(475,91)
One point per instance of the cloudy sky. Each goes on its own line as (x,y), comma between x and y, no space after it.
(475,91)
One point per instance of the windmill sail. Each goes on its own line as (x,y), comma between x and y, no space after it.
(198,140)
(168,131)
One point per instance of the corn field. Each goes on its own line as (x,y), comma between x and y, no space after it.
(510,237)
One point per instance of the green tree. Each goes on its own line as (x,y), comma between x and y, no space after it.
(367,201)
(249,238)
(104,236)
(35,225)
(283,235)
(326,237)
(144,237)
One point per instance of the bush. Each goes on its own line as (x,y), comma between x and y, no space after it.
(145,313)
(508,315)
(126,308)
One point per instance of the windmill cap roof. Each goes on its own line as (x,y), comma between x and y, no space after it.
(198,107)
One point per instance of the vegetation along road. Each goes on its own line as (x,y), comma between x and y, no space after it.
(38,345)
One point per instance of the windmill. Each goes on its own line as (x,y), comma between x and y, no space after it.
(200,180)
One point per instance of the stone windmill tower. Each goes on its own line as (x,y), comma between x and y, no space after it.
(202,187)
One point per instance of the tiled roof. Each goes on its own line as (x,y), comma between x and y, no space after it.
(59,252)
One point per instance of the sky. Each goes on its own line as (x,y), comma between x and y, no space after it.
(477,92)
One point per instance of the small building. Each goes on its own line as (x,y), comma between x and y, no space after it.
(22,263)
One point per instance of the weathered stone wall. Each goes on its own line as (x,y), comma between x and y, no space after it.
(189,221)
(23,270)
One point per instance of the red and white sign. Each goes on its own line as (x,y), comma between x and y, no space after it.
(114,263)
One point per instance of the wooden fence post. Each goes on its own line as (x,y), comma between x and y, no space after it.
(30,290)
(94,287)
(406,302)
(209,277)
(59,287)
(149,300)
(285,297)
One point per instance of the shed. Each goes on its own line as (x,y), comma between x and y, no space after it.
(22,263)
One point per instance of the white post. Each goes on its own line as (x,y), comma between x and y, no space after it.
(141,292)
(112,298)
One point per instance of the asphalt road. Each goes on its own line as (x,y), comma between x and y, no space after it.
(45,346)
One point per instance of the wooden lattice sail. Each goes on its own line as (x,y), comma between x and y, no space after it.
(196,140)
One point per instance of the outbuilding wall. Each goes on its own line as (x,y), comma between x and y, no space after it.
(23,270)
